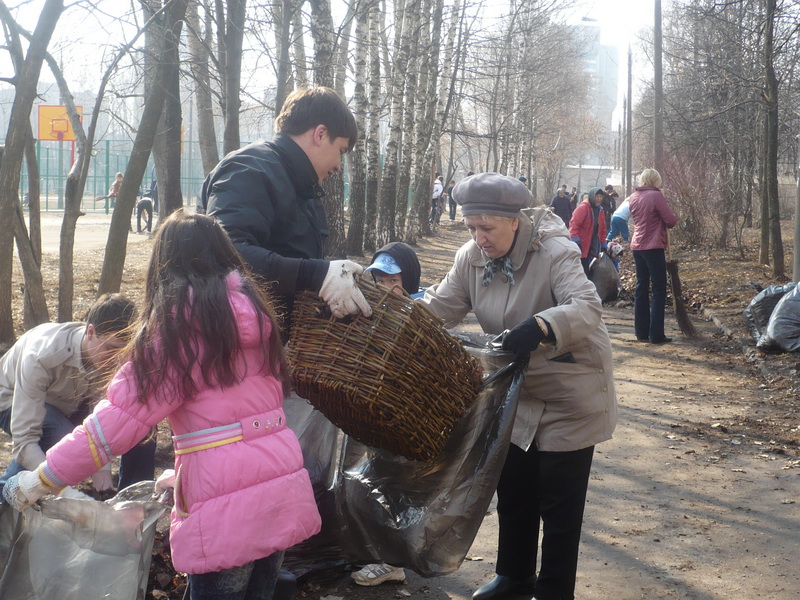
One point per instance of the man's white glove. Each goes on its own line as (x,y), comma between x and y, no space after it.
(339,289)
(24,489)
(102,480)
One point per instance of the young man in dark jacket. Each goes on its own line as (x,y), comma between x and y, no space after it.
(268,198)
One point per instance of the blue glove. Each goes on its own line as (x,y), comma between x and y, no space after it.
(523,339)
(604,247)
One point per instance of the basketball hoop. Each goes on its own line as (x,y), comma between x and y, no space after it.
(58,127)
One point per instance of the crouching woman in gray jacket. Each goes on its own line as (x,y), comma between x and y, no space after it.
(521,272)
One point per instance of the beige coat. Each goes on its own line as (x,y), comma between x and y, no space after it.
(565,405)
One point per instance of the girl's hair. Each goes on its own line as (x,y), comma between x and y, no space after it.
(187,325)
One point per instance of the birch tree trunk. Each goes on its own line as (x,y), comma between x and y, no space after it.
(373,148)
(414,15)
(299,47)
(388,194)
(282,15)
(324,74)
(427,145)
(355,231)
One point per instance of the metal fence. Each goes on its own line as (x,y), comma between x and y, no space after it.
(108,158)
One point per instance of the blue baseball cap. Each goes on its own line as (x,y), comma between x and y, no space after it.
(384,262)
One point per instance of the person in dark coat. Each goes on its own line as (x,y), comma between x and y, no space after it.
(560,205)
(268,198)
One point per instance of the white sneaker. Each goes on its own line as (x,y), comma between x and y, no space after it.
(376,574)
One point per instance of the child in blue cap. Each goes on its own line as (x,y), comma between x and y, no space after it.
(397,265)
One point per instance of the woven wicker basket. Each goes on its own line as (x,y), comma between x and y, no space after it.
(396,380)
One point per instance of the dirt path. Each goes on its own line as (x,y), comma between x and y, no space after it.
(695,498)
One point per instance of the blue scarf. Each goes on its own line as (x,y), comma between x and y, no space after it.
(503,265)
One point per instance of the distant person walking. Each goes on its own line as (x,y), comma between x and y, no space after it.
(587,228)
(113,191)
(144,206)
(451,204)
(438,188)
(560,206)
(609,203)
(653,216)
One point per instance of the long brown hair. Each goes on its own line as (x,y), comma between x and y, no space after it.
(187,324)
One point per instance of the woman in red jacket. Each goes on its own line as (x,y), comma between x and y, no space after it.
(653,216)
(587,227)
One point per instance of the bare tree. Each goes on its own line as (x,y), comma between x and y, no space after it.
(771,143)
(355,231)
(199,41)
(396,89)
(16,138)
(375,112)
(114,259)
(167,144)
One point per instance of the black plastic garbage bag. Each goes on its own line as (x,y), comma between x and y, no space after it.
(783,329)
(423,516)
(77,549)
(321,442)
(758,312)
(605,277)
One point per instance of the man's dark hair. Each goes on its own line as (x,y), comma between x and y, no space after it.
(111,313)
(305,109)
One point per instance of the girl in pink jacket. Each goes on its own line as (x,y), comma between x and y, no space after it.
(206,356)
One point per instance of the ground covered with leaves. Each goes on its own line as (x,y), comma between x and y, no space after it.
(716,283)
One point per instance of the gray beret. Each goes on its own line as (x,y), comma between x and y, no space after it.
(491,194)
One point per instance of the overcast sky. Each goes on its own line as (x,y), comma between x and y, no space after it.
(82,54)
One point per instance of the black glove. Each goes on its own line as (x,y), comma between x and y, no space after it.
(523,339)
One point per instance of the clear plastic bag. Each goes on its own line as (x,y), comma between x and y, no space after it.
(423,516)
(79,549)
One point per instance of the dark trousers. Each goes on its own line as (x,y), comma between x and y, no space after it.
(452,205)
(435,214)
(253,581)
(651,268)
(549,487)
(145,206)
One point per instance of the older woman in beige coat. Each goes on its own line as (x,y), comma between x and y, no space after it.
(521,272)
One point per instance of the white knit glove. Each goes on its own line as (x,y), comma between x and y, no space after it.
(102,480)
(24,489)
(165,481)
(339,289)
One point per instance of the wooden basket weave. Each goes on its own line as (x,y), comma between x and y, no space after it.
(396,380)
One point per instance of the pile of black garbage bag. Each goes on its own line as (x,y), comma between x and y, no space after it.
(773,317)
(378,507)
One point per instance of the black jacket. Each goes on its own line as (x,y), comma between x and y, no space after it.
(267,198)
(561,206)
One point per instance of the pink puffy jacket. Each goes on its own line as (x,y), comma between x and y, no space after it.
(241,492)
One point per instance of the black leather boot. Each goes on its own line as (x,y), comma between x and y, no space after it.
(503,587)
